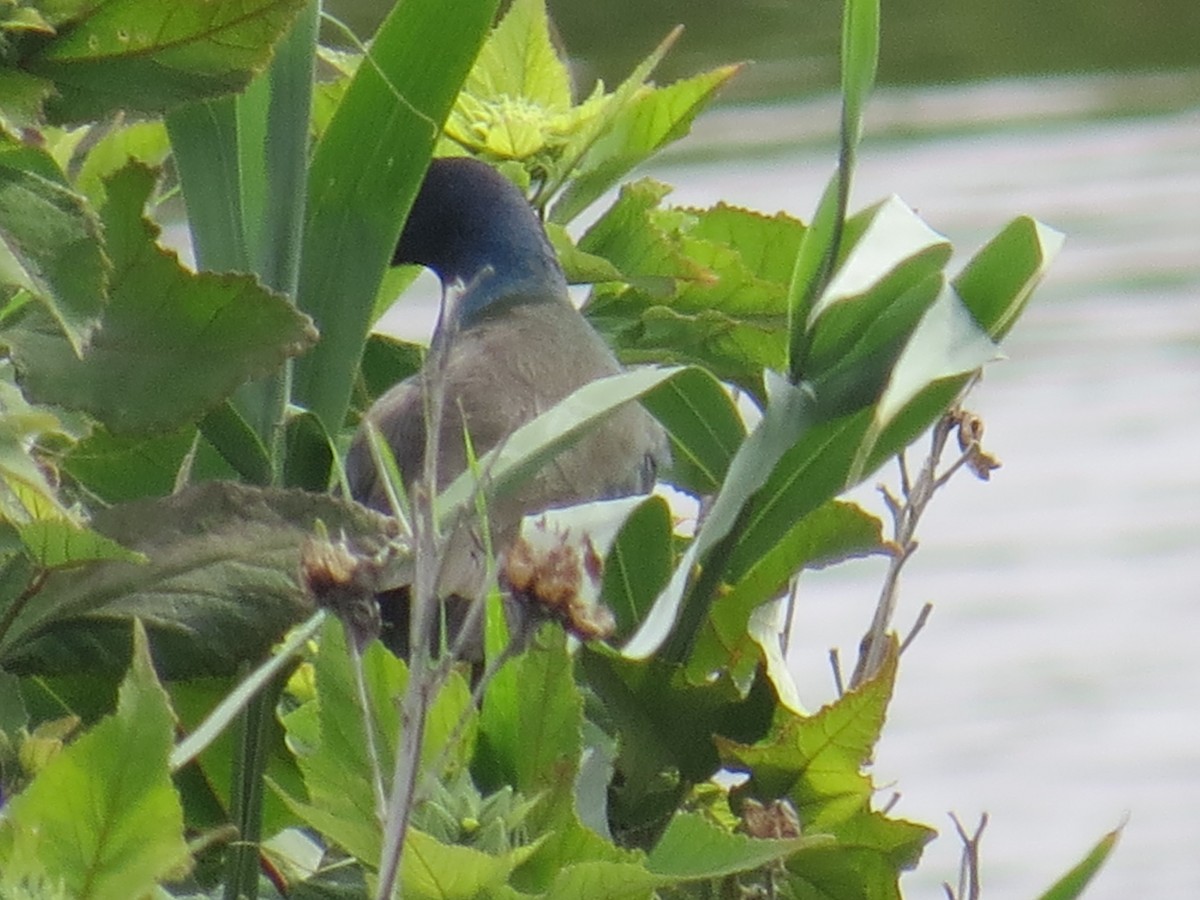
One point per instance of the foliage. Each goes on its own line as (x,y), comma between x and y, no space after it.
(169,439)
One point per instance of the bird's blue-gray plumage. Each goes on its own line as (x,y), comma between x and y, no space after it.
(516,345)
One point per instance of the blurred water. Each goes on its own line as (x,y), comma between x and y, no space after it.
(1057,684)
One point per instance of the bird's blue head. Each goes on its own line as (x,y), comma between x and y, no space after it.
(468,217)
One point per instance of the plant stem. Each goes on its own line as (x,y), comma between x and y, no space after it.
(422,676)
(906,513)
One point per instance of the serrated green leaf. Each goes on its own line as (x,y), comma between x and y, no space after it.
(172,343)
(50,243)
(656,117)
(329,735)
(531,719)
(604,880)
(519,60)
(219,588)
(103,816)
(699,285)
(145,56)
(818,760)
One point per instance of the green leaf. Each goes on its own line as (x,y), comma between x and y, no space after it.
(172,344)
(204,146)
(817,760)
(698,285)
(118,468)
(519,60)
(23,97)
(833,532)
(50,243)
(103,816)
(437,871)
(238,444)
(820,248)
(891,251)
(13,714)
(145,56)
(329,735)
(998,281)
(860,56)
(532,716)
(55,543)
(656,117)
(704,426)
(533,444)
(364,174)
(788,416)
(604,880)
(639,564)
(386,361)
(219,588)
(143,141)
(693,847)
(1072,884)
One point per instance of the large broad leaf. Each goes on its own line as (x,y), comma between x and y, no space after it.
(102,819)
(531,719)
(219,588)
(172,343)
(364,175)
(147,56)
(341,746)
(696,285)
(833,532)
(693,847)
(50,242)
(818,762)
(887,251)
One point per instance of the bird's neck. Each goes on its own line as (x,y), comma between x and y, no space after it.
(501,274)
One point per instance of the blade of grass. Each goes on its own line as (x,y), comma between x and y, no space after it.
(276,194)
(819,247)
(204,145)
(364,175)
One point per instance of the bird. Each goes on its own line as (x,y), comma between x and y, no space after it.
(514,346)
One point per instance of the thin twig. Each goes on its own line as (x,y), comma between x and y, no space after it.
(364,703)
(906,512)
(968,872)
(922,618)
(835,663)
(423,599)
